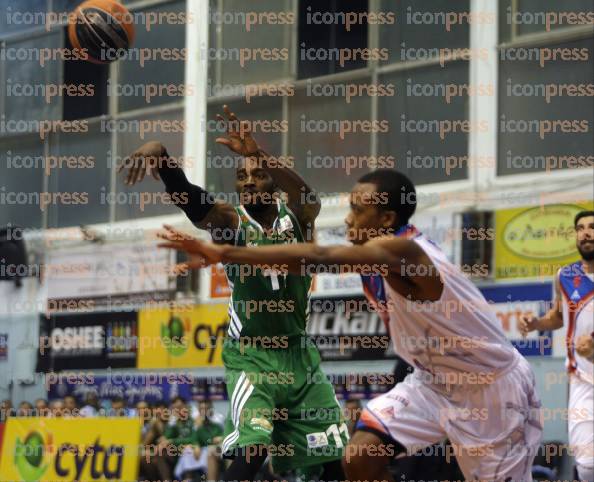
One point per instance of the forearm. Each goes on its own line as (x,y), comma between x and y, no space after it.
(192,199)
(552,320)
(304,258)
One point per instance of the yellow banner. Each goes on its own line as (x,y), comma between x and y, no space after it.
(67,449)
(184,337)
(535,241)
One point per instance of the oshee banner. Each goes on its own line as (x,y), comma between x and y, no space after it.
(190,336)
(85,450)
(535,241)
(87,341)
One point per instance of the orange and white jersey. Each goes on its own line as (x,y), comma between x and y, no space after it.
(454,341)
(577,299)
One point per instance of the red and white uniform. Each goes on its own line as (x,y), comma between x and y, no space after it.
(577,299)
(469,385)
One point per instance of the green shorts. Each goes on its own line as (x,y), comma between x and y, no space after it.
(280,398)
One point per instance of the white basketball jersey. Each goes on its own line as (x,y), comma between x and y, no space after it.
(455,341)
(577,299)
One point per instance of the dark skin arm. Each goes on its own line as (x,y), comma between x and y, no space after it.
(383,256)
(302,200)
(152,159)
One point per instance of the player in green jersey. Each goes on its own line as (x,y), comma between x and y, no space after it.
(281,403)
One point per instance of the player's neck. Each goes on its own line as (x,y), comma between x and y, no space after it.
(265,217)
(588,266)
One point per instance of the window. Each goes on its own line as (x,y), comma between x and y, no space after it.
(316,142)
(22,175)
(421,28)
(323,30)
(91,81)
(425,126)
(82,170)
(165,69)
(265,45)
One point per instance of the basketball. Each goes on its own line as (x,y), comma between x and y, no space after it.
(103,27)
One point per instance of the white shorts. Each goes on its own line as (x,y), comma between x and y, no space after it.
(581,421)
(495,430)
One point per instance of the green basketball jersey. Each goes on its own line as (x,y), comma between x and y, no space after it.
(266,303)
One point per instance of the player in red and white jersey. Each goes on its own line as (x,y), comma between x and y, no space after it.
(470,385)
(574,308)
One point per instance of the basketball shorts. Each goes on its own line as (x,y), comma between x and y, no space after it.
(280,398)
(581,423)
(495,430)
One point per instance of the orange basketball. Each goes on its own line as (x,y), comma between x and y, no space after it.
(103,27)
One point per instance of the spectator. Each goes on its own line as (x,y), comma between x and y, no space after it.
(57,408)
(41,407)
(143,411)
(5,410)
(119,409)
(25,410)
(70,406)
(152,467)
(91,407)
(352,408)
(202,458)
(176,437)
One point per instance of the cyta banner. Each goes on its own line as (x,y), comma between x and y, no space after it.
(51,449)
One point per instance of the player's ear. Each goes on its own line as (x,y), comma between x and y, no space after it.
(389,219)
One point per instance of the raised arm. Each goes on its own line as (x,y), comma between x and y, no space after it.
(301,198)
(199,205)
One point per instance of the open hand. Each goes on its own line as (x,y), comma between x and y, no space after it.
(239,138)
(144,160)
(201,253)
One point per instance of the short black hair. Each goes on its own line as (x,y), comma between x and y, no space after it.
(400,190)
(580,215)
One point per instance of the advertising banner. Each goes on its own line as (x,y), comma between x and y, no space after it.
(62,449)
(88,341)
(183,337)
(535,241)
(108,276)
(132,387)
(510,302)
(346,329)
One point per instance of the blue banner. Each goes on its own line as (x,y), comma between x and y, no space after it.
(512,301)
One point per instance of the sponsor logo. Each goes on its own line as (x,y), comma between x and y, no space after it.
(173,335)
(317,439)
(30,455)
(260,423)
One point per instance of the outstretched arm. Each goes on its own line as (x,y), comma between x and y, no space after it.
(302,199)
(199,205)
(381,256)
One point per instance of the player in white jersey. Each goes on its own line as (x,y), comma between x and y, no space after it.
(574,307)
(469,385)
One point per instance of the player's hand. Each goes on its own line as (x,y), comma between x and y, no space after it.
(526,324)
(239,138)
(143,161)
(584,346)
(201,254)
